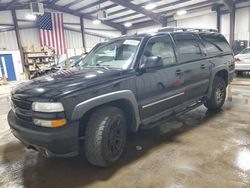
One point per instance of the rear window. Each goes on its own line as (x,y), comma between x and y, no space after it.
(245,51)
(215,43)
(187,47)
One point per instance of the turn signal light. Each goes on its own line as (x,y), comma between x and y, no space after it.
(58,123)
(50,123)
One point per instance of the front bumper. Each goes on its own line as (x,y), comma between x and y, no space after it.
(242,67)
(51,142)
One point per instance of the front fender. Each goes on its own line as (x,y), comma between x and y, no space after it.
(89,104)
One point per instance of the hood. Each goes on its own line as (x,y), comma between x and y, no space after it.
(65,82)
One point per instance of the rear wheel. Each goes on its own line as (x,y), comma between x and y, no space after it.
(105,136)
(218,95)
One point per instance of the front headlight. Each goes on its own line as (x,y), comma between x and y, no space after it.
(47,107)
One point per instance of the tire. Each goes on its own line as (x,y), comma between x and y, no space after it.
(239,73)
(105,136)
(218,95)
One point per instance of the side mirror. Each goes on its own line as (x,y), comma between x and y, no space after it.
(152,62)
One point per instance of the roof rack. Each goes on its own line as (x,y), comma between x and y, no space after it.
(182,29)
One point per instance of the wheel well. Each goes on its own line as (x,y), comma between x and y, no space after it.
(223,74)
(123,104)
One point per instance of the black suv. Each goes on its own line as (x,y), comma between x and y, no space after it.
(126,84)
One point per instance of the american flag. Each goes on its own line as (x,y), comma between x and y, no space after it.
(51,31)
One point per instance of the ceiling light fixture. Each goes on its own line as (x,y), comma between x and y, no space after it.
(96,22)
(30,17)
(181,12)
(128,24)
(150,6)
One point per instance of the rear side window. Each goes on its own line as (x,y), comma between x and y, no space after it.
(187,47)
(215,43)
(245,51)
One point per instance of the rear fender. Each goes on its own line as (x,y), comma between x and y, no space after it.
(213,74)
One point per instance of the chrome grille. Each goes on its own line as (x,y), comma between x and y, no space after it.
(23,109)
(23,104)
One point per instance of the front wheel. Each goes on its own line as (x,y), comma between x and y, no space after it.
(217,99)
(105,136)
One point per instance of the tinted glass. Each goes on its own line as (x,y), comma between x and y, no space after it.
(211,48)
(187,46)
(117,54)
(215,43)
(245,51)
(162,47)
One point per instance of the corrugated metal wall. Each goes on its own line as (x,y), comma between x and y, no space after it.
(8,40)
(73,39)
(29,37)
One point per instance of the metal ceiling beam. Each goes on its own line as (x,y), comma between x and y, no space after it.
(19,43)
(145,3)
(229,4)
(83,35)
(4,24)
(87,16)
(90,5)
(103,8)
(118,11)
(53,2)
(188,8)
(72,3)
(137,8)
(158,7)
(10,4)
(126,16)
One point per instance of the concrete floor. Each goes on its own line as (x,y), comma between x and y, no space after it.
(202,149)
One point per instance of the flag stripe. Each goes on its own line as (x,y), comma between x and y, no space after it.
(56,35)
(63,37)
(48,38)
(60,32)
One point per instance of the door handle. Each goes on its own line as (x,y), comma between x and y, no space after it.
(178,72)
(203,66)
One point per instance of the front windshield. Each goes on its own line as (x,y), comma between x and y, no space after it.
(117,54)
(245,51)
(69,62)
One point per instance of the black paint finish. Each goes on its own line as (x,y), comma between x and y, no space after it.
(155,92)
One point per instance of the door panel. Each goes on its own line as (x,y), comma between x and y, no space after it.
(195,68)
(196,79)
(160,88)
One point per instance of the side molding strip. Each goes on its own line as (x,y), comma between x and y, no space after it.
(162,100)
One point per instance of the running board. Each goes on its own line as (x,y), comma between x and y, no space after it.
(172,116)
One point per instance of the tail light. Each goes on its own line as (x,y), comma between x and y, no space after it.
(237,60)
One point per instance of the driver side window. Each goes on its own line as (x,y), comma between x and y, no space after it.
(161,47)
